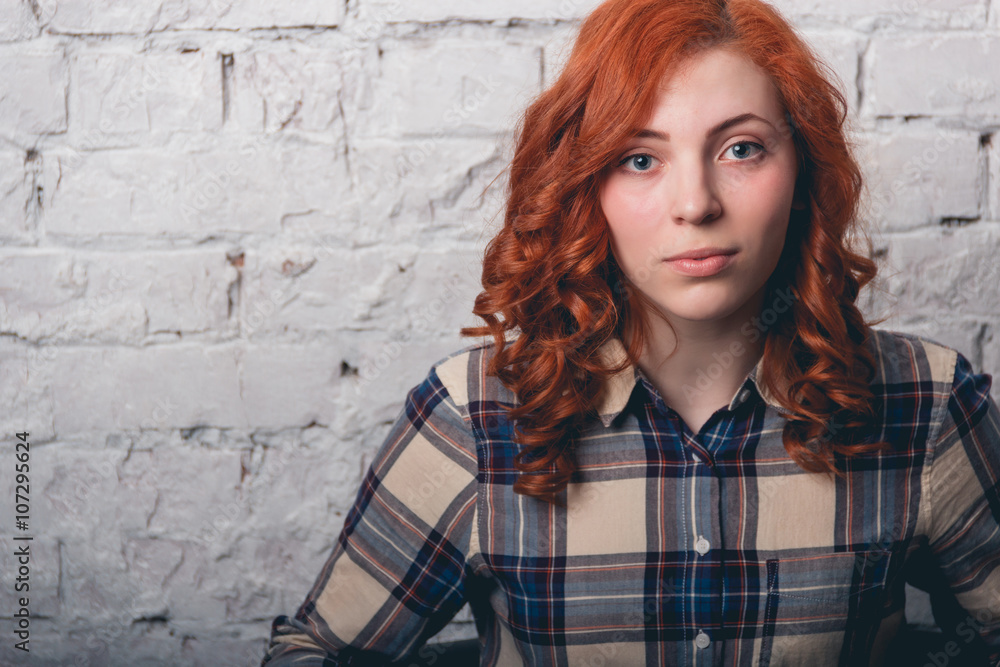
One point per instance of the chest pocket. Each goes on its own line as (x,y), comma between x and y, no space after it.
(822,609)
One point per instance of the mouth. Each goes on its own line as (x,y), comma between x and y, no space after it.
(702,253)
(700,267)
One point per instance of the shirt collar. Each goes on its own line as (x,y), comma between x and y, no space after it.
(618,388)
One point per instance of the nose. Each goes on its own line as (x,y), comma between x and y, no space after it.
(693,196)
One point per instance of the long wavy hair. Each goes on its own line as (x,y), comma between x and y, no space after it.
(550,278)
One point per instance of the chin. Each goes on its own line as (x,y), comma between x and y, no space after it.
(695,314)
(700,308)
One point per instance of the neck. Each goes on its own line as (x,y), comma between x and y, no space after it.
(697,365)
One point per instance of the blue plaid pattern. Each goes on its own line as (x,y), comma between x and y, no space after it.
(673,547)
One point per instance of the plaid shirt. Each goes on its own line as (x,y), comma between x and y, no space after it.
(674,548)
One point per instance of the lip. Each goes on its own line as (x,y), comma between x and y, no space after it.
(699,253)
(700,268)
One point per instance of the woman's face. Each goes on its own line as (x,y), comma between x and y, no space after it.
(703,173)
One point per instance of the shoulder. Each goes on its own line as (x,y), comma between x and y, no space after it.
(463,376)
(909,362)
(920,369)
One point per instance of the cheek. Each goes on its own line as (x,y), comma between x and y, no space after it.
(623,200)
(774,191)
(631,215)
(626,226)
(768,200)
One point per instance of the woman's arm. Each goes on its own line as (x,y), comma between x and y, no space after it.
(963,494)
(397,572)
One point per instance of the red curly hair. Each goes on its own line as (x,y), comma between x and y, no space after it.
(550,276)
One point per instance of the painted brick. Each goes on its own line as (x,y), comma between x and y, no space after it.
(240,186)
(556,51)
(245,14)
(121,93)
(442,292)
(993,176)
(222,650)
(24,376)
(392,11)
(307,500)
(62,296)
(991,355)
(296,294)
(946,273)
(424,190)
(15,196)
(286,385)
(147,495)
(299,292)
(17,21)
(102,16)
(868,15)
(442,87)
(840,50)
(921,175)
(49,646)
(283,86)
(84,491)
(108,16)
(388,367)
(162,386)
(32,90)
(934,75)
(918,607)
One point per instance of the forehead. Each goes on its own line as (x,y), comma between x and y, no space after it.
(717,81)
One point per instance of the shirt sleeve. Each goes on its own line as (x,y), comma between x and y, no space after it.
(964,492)
(397,572)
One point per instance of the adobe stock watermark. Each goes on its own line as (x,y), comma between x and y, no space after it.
(209,190)
(753,329)
(88,480)
(41,357)
(912,171)
(633,623)
(425,320)
(92,138)
(967,630)
(226,516)
(416,155)
(100,639)
(430,484)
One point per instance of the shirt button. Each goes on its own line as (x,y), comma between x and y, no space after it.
(702,640)
(744,395)
(702,546)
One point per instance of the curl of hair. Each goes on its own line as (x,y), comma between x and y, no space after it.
(550,277)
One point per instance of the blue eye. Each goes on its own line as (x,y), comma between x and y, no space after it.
(640,161)
(742,156)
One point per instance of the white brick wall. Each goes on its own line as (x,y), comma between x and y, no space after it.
(917,75)
(234,234)
(35,80)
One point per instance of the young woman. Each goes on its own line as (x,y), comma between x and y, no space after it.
(683,444)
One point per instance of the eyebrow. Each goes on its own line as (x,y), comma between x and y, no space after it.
(724,125)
